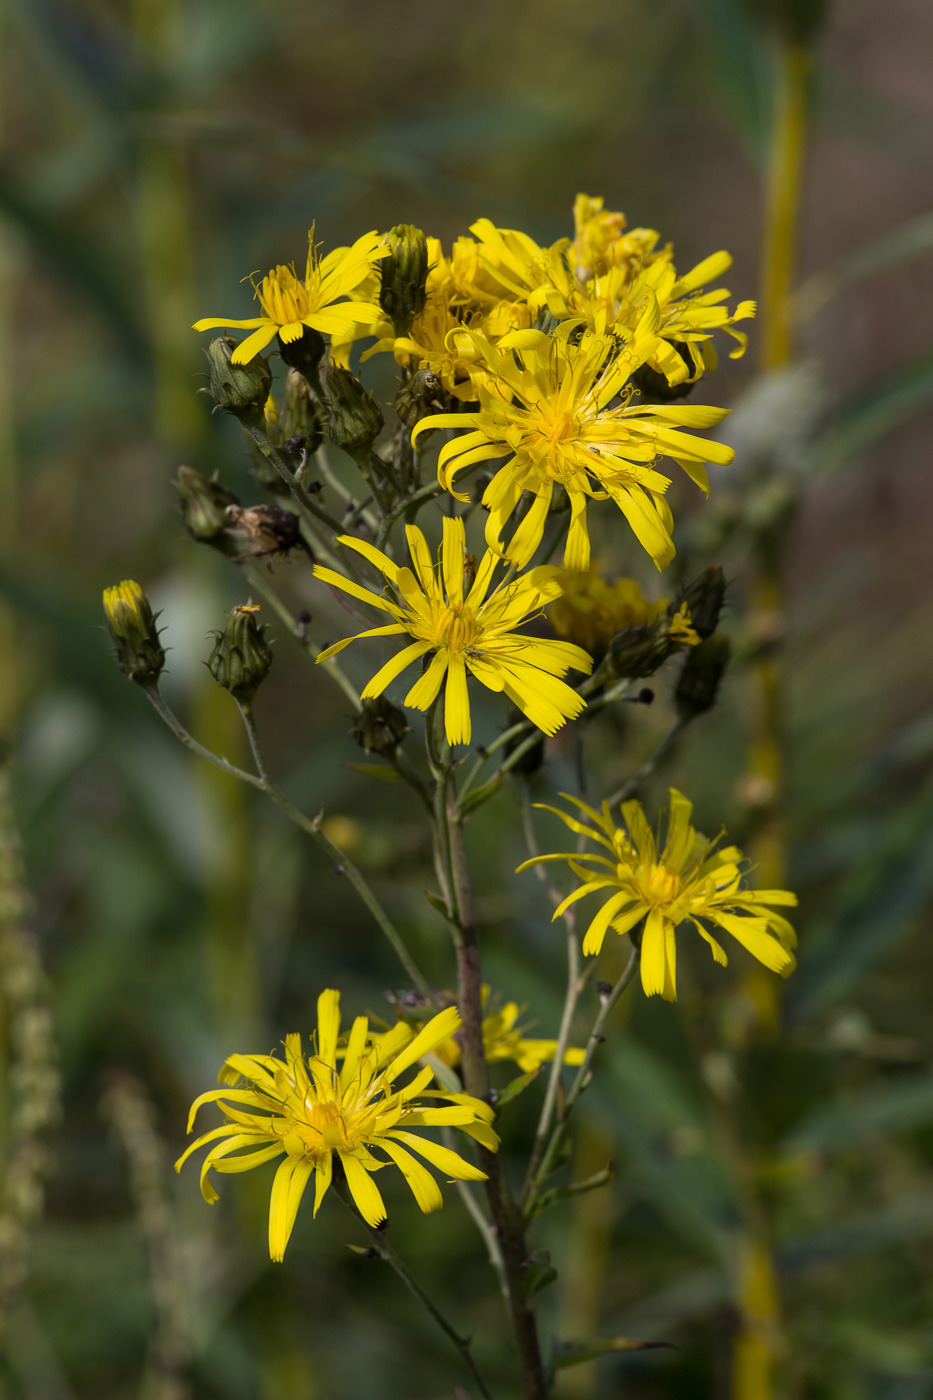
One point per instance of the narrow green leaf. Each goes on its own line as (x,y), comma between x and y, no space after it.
(437,902)
(517,1086)
(539,1272)
(576,1188)
(479,795)
(375,770)
(571,1353)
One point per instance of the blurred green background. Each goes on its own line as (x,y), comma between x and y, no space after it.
(157,152)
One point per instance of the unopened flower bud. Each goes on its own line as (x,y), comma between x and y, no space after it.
(132,625)
(404,276)
(640,651)
(354,419)
(700,678)
(703,598)
(238,389)
(301,414)
(204,504)
(421,396)
(242,656)
(380,727)
(304,354)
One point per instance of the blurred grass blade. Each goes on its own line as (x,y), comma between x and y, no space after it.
(740,61)
(911,240)
(894,1108)
(888,888)
(877,412)
(56,239)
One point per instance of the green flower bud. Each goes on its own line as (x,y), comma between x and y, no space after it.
(700,678)
(204,505)
(404,275)
(639,651)
(301,414)
(703,598)
(380,727)
(238,389)
(354,419)
(304,354)
(422,395)
(241,657)
(132,625)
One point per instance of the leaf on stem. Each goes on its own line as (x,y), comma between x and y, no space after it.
(571,1353)
(576,1188)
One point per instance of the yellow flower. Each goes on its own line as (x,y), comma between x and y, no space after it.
(615,300)
(592,610)
(545,406)
(599,241)
(504,1040)
(689,879)
(434,343)
(681,628)
(310,1111)
(472,633)
(289,305)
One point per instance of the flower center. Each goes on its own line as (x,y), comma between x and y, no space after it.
(457,628)
(323,1130)
(660,886)
(561,428)
(282,297)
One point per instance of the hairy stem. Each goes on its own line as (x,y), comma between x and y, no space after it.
(596,1037)
(311,826)
(381,1249)
(503,1208)
(333,668)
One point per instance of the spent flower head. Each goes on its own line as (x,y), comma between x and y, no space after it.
(688,879)
(346,1108)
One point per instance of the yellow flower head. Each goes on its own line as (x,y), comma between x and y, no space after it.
(545,405)
(289,305)
(690,878)
(592,610)
(465,630)
(436,342)
(462,278)
(309,1110)
(600,243)
(517,263)
(504,1039)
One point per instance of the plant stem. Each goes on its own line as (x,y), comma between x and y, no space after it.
(575,985)
(579,1083)
(332,667)
(283,467)
(633,783)
(312,827)
(503,1208)
(782,203)
(383,1250)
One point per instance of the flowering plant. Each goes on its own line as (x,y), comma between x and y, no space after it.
(560,372)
